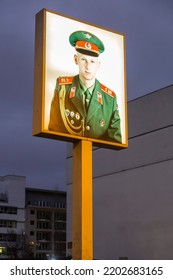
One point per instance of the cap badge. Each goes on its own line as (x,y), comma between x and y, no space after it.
(87,36)
(87,45)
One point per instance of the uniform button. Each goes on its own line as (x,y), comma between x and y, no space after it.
(72,114)
(77,116)
(87,127)
(67,112)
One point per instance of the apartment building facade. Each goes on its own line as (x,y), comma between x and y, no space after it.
(12,216)
(46,223)
(32,221)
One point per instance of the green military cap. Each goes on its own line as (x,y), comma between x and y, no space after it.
(86,43)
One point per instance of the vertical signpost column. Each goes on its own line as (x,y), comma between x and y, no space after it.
(82,220)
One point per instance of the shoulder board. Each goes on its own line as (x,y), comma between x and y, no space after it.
(107,90)
(65,80)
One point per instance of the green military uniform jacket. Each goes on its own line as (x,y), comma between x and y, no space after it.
(68,113)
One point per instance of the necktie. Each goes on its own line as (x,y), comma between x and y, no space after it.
(87,99)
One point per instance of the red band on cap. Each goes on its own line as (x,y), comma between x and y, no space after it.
(87,46)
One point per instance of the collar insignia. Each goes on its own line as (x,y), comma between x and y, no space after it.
(99,98)
(72,92)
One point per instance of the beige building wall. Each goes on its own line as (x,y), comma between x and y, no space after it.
(133,188)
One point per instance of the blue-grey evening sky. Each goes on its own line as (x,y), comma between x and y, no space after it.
(148,26)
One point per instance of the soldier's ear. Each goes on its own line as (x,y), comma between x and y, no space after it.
(76,59)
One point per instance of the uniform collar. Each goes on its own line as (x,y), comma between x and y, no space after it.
(78,101)
(84,88)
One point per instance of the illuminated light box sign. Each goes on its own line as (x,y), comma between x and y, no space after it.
(79,82)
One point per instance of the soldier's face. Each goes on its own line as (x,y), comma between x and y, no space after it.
(88,66)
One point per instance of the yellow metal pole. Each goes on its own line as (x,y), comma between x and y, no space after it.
(82,220)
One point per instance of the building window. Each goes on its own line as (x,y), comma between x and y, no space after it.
(42,256)
(43,246)
(60,216)
(32,212)
(31,233)
(60,236)
(2,237)
(8,224)
(60,226)
(44,215)
(43,236)
(2,250)
(43,225)
(32,223)
(47,203)
(8,210)
(4,197)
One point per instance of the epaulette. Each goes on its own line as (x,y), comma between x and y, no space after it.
(107,90)
(65,80)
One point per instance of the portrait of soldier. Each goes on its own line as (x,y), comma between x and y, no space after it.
(81,104)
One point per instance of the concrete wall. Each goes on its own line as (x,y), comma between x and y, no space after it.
(133,188)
